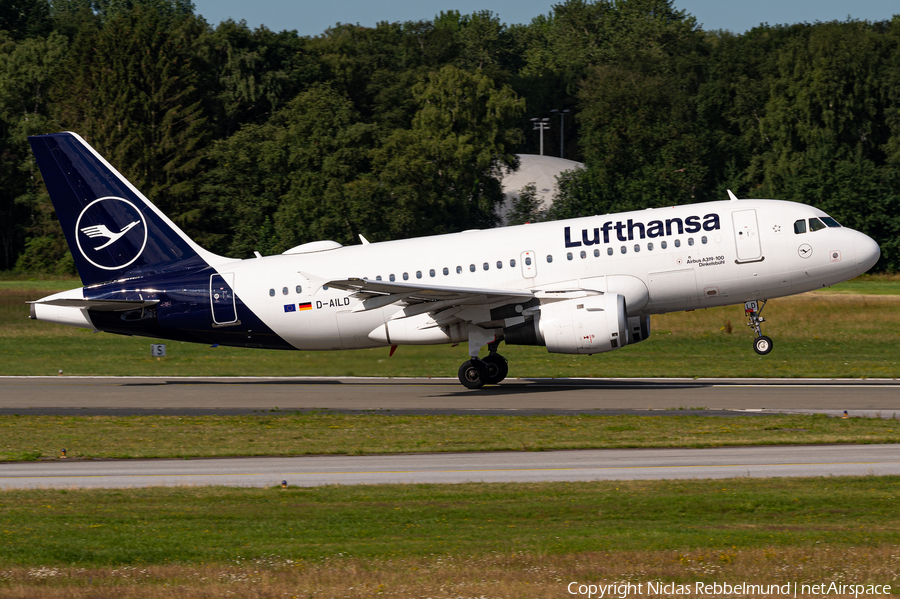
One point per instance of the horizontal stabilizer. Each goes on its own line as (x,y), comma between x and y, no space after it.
(98,305)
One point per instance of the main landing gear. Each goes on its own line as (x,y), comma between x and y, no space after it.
(475,373)
(762,344)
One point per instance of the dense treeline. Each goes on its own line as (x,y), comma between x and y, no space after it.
(257,140)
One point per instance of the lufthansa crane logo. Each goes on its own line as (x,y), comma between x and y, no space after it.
(111,233)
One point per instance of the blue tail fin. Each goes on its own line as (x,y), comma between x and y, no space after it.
(113,231)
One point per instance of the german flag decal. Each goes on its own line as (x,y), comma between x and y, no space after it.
(306,306)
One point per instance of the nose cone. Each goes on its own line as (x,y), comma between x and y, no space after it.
(867,252)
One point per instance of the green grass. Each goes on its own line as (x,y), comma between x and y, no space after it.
(816,335)
(41,437)
(215,524)
(867,285)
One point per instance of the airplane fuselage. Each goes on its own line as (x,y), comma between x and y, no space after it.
(661,260)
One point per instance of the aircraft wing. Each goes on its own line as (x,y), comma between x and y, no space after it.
(377,294)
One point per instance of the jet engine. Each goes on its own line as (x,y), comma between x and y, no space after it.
(586,325)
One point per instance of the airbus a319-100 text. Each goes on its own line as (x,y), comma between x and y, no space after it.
(581,286)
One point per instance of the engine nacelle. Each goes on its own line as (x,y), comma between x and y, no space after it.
(587,325)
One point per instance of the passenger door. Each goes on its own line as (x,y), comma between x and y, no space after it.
(746,236)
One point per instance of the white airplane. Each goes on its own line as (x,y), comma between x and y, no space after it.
(581,286)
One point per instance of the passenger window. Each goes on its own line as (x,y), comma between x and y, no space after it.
(299,289)
(418,274)
(499,264)
(271,293)
(596,253)
(512,263)
(569,256)
(431,273)
(650,247)
(799,226)
(690,241)
(549,258)
(446,271)
(485,266)
(284,291)
(815,224)
(392,278)
(703,240)
(623,249)
(459,270)
(609,251)
(830,222)
(471,268)
(678,243)
(406,276)
(583,254)
(637,247)
(527,260)
(378,278)
(663,244)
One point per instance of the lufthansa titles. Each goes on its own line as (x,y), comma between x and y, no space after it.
(631,230)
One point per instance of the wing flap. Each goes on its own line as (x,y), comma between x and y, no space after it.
(377,294)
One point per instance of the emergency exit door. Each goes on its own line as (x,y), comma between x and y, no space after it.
(221,298)
(529,265)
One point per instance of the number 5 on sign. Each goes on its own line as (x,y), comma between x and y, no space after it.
(158,350)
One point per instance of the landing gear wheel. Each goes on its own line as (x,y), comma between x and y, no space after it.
(762,345)
(497,368)
(473,374)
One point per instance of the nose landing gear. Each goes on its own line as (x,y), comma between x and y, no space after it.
(762,344)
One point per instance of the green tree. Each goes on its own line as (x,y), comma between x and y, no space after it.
(525,207)
(443,173)
(27,71)
(25,18)
(249,75)
(300,177)
(129,89)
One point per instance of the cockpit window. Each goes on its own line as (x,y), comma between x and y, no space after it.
(830,222)
(815,224)
(799,226)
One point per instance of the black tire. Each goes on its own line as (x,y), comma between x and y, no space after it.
(473,374)
(497,367)
(762,345)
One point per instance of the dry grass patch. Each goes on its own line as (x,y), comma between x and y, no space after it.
(513,575)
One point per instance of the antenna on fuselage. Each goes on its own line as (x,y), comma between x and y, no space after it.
(733,197)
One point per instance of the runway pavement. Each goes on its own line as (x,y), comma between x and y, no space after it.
(585,465)
(720,397)
(143,395)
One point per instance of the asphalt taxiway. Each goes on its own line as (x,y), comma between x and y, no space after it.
(582,465)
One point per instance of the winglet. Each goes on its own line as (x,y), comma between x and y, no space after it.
(732,196)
